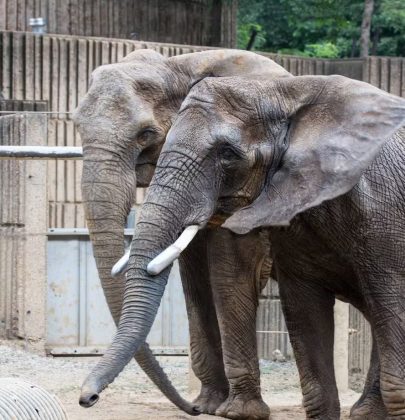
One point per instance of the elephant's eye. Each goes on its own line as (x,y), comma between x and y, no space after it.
(229,154)
(146,135)
(146,132)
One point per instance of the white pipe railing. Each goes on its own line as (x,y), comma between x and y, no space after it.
(40,152)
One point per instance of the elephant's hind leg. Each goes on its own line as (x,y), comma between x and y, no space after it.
(308,311)
(387,318)
(370,405)
(235,263)
(205,340)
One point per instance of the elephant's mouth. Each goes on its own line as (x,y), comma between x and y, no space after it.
(228,204)
(144,173)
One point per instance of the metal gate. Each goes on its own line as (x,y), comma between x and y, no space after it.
(78,319)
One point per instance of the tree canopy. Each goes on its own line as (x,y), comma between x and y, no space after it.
(321,28)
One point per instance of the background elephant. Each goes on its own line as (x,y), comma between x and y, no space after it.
(317,155)
(123,121)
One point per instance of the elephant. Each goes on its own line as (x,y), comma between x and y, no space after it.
(123,121)
(317,162)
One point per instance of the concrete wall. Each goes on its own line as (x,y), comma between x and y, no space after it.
(23,229)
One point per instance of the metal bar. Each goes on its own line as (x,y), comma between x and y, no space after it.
(79,232)
(20,112)
(40,152)
(99,351)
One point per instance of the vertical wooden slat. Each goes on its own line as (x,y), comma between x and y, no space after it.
(11,14)
(54,75)
(395,76)
(374,71)
(105,52)
(63,72)
(46,69)
(62,17)
(82,74)
(44,11)
(21,17)
(29,67)
(38,67)
(6,65)
(18,66)
(384,73)
(88,18)
(120,51)
(96,18)
(29,13)
(52,16)
(3,14)
(72,81)
(115,16)
(74,18)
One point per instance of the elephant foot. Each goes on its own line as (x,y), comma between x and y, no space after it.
(210,399)
(241,406)
(371,407)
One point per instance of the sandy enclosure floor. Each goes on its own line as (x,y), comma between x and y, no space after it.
(133,396)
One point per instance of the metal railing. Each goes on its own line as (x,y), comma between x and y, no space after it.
(40,152)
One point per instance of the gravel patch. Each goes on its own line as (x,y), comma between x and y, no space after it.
(133,396)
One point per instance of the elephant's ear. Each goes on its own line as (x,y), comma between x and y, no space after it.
(337,127)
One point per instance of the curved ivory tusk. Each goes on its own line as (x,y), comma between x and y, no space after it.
(121,264)
(171,253)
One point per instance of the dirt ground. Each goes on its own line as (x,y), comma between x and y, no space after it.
(133,397)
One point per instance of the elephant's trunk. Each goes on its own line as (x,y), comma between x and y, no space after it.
(142,297)
(108,193)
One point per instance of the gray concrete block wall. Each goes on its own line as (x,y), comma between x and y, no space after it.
(23,230)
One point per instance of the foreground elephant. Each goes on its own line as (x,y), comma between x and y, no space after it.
(320,153)
(123,121)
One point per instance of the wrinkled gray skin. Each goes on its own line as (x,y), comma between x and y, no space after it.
(321,153)
(123,121)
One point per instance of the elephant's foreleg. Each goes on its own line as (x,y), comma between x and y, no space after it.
(205,340)
(235,263)
(308,311)
(370,405)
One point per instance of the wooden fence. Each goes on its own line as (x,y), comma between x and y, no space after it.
(196,22)
(56,69)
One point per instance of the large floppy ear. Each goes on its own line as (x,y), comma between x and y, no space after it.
(337,127)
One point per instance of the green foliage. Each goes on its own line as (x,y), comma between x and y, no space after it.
(321,28)
(323,49)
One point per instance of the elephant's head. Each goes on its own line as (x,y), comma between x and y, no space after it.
(260,152)
(257,151)
(123,121)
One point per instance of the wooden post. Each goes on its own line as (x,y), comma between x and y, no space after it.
(341,348)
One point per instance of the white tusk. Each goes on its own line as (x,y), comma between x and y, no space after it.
(166,257)
(121,264)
